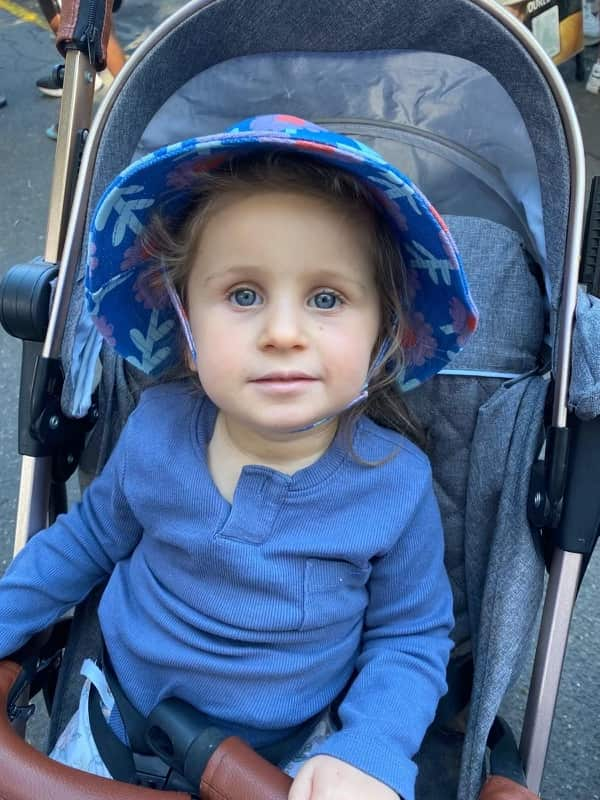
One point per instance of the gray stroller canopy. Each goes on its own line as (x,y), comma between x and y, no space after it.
(429,113)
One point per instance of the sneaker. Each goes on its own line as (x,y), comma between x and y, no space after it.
(591,23)
(52,85)
(593,82)
(52,131)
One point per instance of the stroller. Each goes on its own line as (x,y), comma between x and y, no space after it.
(459,96)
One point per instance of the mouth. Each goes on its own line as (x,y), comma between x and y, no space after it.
(282,382)
(284,377)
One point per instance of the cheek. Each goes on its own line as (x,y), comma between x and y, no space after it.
(218,360)
(217,346)
(357,336)
(212,330)
(349,355)
(219,375)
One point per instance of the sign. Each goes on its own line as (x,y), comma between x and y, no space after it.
(556,24)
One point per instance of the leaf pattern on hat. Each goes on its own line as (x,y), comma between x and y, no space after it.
(92,261)
(151,359)
(125,210)
(422,258)
(396,191)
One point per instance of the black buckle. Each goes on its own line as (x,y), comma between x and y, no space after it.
(151,771)
(20,712)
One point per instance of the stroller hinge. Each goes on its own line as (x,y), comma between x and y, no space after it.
(54,433)
(548,481)
(25,298)
(590,258)
(563,496)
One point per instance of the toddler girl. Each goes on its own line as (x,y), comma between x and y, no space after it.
(271,534)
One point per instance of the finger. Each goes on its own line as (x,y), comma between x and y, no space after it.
(301,788)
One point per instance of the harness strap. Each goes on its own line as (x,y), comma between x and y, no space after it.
(135,723)
(117,756)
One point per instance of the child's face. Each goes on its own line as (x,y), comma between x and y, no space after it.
(284,310)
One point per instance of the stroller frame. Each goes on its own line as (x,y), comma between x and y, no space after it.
(567,567)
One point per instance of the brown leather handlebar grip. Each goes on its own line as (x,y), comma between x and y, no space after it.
(236,772)
(26,774)
(85,26)
(499,788)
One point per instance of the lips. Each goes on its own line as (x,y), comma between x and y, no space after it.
(284,384)
(284,377)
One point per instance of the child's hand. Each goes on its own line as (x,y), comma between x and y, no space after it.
(328,778)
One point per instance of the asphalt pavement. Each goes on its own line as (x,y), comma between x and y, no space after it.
(26,160)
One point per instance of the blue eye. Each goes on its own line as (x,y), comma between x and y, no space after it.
(244,297)
(325,300)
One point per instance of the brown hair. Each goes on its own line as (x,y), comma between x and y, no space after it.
(172,246)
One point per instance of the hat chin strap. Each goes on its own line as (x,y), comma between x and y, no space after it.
(363,394)
(181,315)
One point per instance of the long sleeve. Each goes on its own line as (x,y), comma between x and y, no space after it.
(405,647)
(60,565)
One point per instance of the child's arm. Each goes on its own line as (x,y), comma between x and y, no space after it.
(401,668)
(60,565)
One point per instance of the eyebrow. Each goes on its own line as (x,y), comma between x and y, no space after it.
(231,272)
(336,276)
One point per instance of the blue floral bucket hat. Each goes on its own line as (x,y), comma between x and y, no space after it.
(143,327)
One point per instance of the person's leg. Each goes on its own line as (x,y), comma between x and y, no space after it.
(48,85)
(51,10)
(115,57)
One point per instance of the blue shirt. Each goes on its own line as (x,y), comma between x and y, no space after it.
(257,612)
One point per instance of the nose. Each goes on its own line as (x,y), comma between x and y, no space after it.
(283,327)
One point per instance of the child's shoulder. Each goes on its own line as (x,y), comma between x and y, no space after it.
(168,392)
(167,401)
(373,443)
